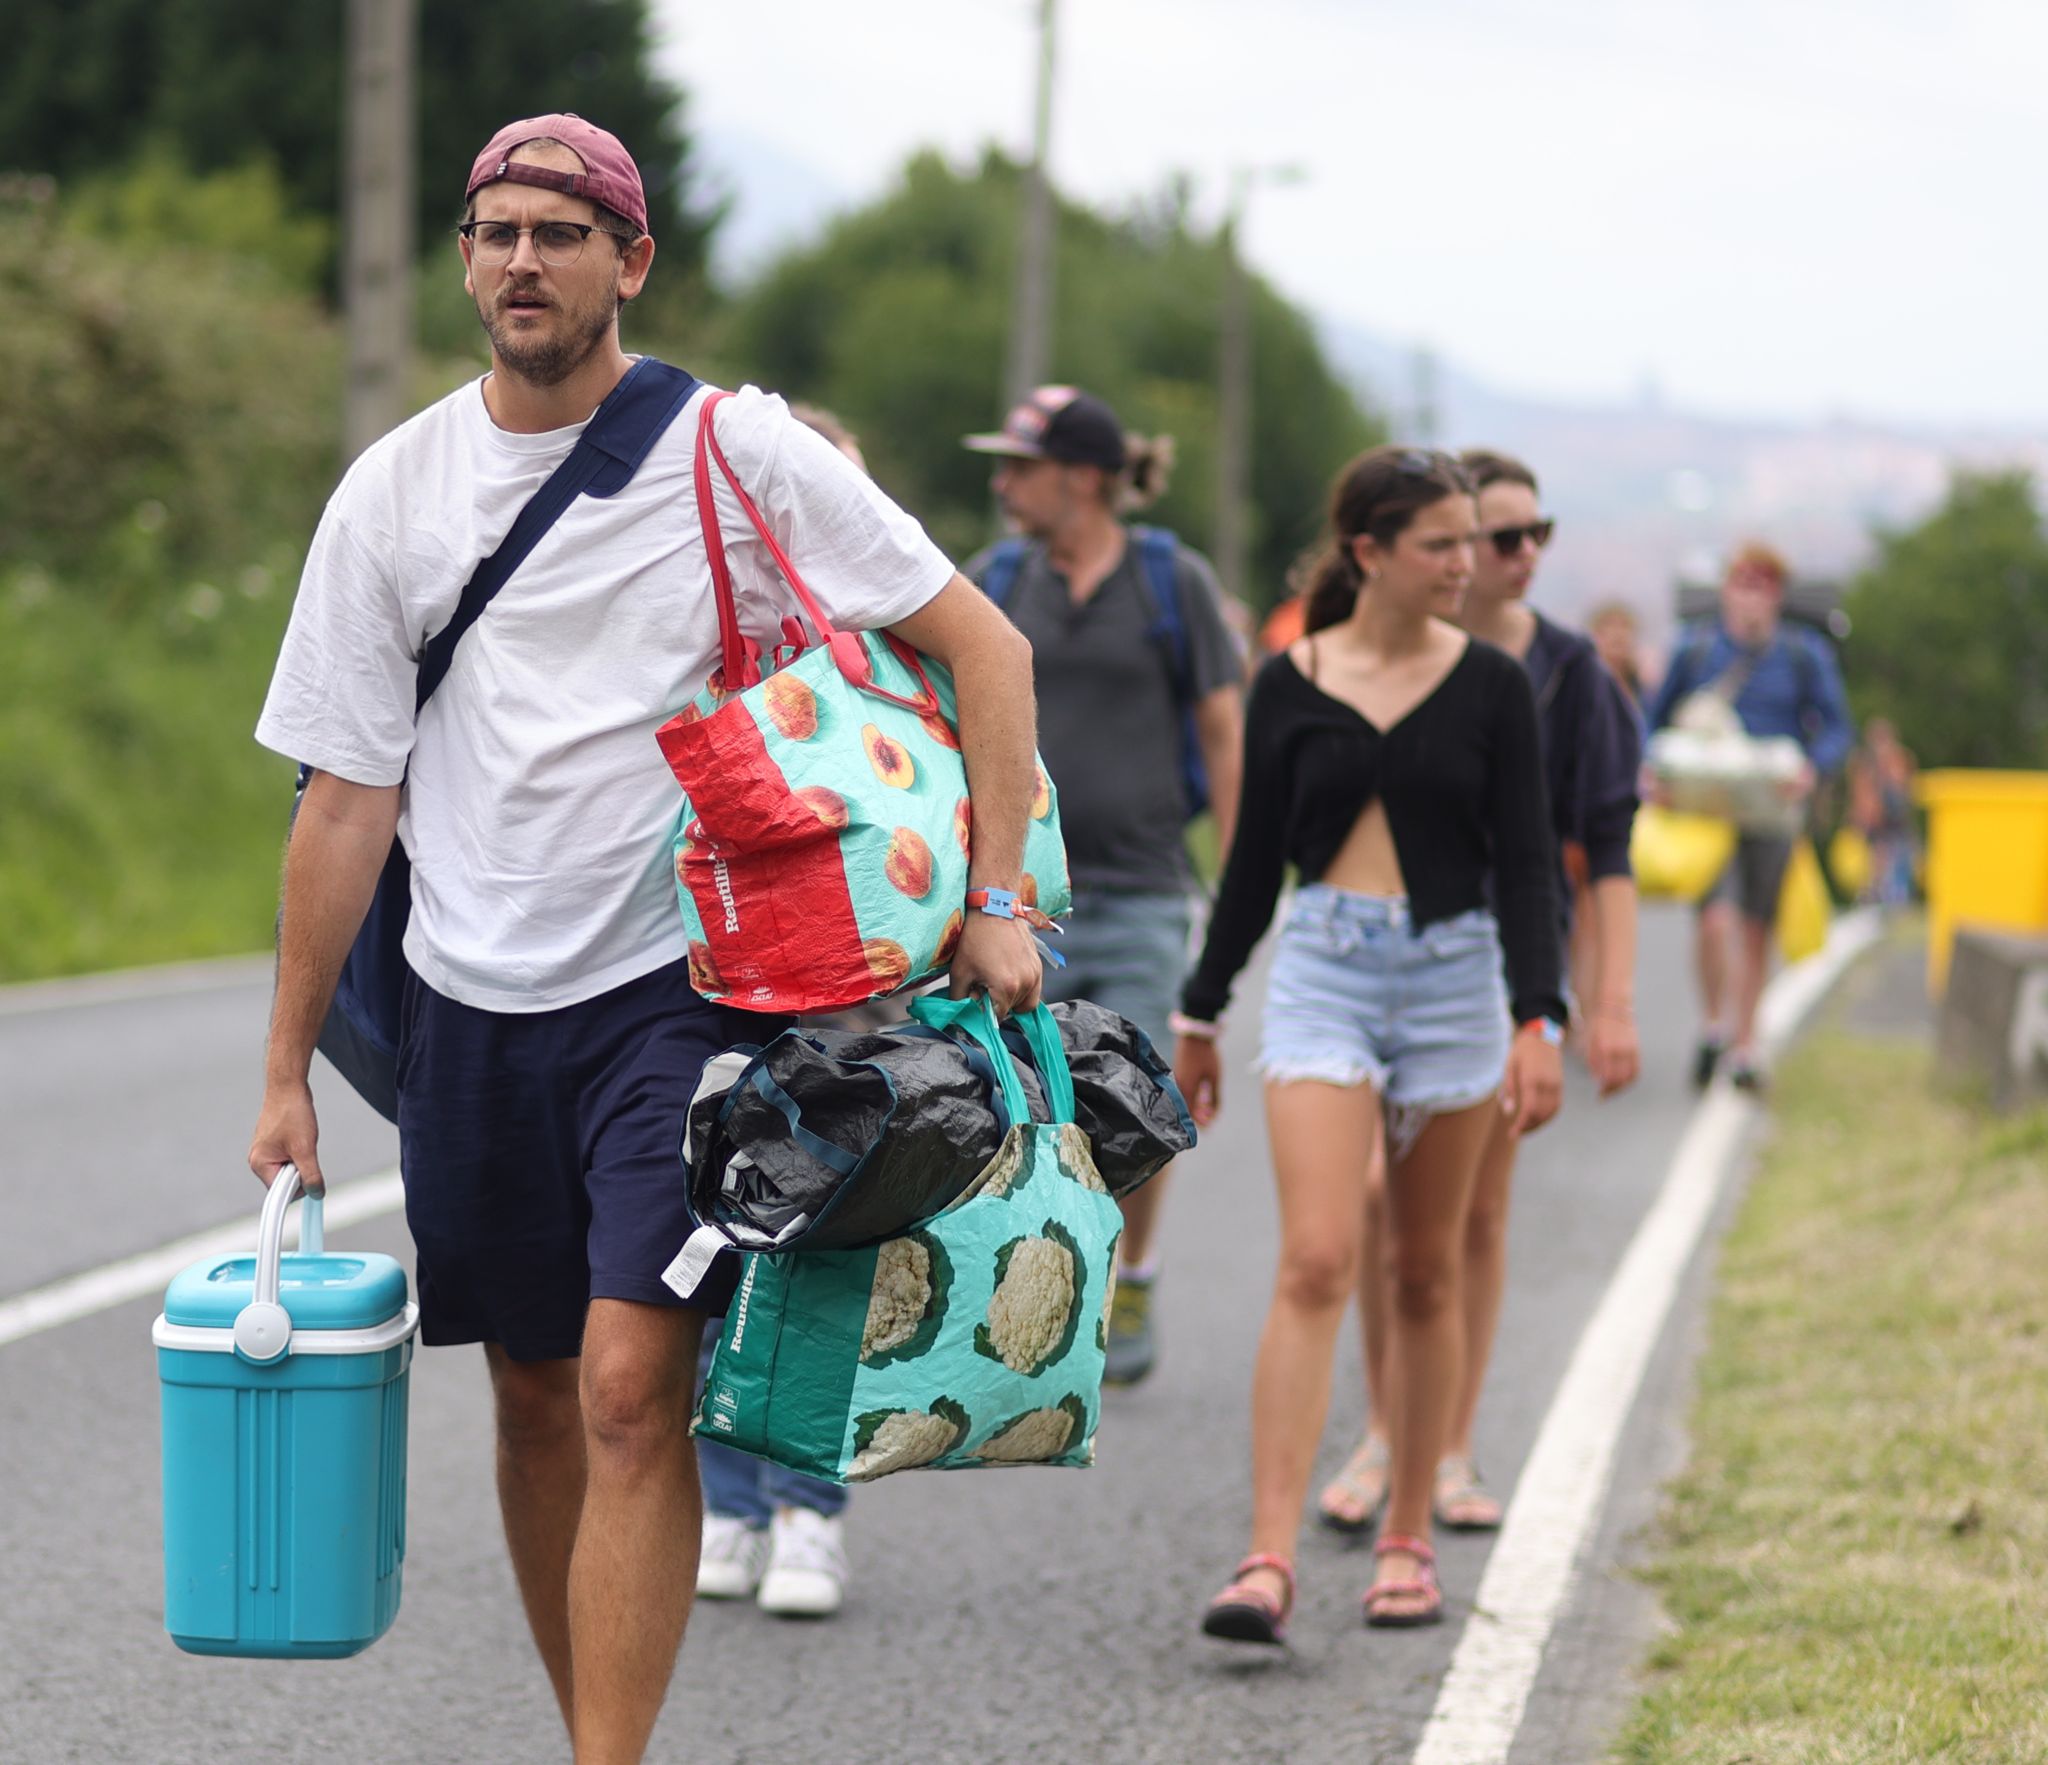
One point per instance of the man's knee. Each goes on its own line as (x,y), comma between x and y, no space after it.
(639,1377)
(536,1401)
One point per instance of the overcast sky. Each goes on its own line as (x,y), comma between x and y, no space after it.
(1768,207)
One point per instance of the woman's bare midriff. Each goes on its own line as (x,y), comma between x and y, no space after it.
(1366,863)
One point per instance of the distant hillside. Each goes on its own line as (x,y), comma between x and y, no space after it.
(1645,493)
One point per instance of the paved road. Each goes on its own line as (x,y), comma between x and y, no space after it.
(1027,1616)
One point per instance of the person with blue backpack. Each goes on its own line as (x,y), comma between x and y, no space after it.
(507,596)
(1140,707)
(1779,680)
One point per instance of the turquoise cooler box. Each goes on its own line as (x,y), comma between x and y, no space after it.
(284,1414)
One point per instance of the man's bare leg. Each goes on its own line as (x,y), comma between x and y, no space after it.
(540,1493)
(1141,1221)
(634,1572)
(1715,926)
(1754,972)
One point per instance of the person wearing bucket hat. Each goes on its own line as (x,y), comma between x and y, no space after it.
(550,1040)
(1139,687)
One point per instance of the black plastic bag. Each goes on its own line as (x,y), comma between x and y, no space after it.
(1125,1099)
(837,1139)
(842,1138)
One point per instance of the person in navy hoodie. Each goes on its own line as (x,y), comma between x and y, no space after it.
(1781,681)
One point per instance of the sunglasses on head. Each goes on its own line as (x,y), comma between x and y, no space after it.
(1508,540)
(1426,462)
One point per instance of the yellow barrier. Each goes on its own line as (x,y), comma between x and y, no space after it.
(1987,857)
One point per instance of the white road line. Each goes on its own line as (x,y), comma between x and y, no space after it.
(115,1283)
(123,986)
(1560,1492)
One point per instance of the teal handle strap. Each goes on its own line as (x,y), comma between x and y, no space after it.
(975,1018)
(1042,1036)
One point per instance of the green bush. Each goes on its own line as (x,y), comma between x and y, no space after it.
(181,392)
(169,438)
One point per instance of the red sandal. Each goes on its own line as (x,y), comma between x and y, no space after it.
(1422,1585)
(1244,1613)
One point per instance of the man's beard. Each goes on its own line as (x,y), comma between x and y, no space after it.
(549,360)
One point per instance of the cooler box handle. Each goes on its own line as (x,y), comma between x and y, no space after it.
(263,1328)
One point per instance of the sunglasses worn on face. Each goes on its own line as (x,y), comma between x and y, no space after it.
(1508,540)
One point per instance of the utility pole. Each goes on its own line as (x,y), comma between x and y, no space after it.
(1422,370)
(1031,296)
(1233,401)
(1230,544)
(377,211)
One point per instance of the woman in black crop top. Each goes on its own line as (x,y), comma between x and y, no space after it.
(1394,762)
(1591,758)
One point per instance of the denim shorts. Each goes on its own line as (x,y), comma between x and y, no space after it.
(542,1159)
(1128,953)
(1357,996)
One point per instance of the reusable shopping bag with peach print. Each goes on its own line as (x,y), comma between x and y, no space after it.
(822,849)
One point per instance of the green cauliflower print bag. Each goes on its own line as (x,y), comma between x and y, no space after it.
(974,1341)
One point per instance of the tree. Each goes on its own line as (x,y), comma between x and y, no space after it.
(896,320)
(1950,628)
(168,407)
(86,85)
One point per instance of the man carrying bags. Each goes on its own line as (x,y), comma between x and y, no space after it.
(550,1039)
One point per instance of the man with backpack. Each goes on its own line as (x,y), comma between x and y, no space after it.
(1140,705)
(549,1040)
(1779,680)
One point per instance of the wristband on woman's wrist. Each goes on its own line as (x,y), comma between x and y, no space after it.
(1548,1028)
(1200,1028)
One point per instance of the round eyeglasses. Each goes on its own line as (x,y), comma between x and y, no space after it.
(558,242)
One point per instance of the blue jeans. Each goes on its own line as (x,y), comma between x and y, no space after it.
(738,1486)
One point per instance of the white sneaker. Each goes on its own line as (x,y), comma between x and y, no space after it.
(806,1575)
(730,1562)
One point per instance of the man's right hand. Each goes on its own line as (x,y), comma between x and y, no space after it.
(287,1132)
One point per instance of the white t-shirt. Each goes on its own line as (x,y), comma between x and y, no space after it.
(538,811)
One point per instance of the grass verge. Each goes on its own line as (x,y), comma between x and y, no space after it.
(1853,1558)
(139,821)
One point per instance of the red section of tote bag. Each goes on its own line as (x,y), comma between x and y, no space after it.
(764,866)
(779,927)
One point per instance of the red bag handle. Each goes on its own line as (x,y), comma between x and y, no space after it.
(741,657)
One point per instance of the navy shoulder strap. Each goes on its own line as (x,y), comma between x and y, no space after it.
(1156,555)
(1004,563)
(1159,570)
(620,434)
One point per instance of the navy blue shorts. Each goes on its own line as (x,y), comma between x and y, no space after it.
(542,1157)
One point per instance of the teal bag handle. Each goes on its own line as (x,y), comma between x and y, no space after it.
(1042,1036)
(975,1018)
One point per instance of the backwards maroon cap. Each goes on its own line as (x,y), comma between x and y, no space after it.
(609,175)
